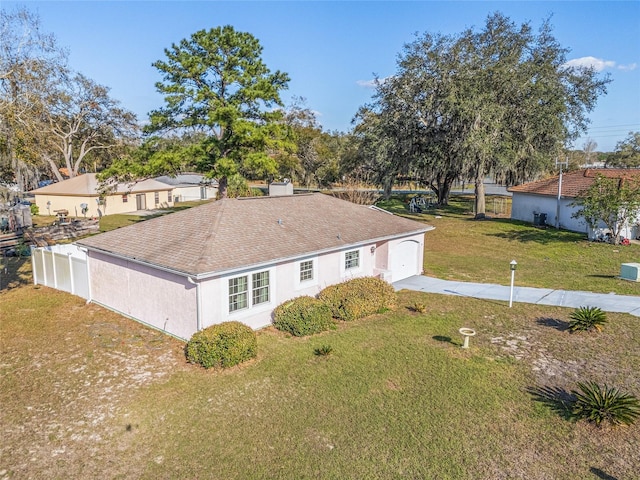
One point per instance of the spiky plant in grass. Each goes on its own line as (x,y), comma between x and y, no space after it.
(323,351)
(586,319)
(604,404)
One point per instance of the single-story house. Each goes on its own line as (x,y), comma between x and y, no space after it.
(190,186)
(80,196)
(237,259)
(538,200)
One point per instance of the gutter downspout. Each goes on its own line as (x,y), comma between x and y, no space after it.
(198,302)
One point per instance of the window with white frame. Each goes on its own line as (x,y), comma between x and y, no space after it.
(306,270)
(169,196)
(351,259)
(260,287)
(238,288)
(157,197)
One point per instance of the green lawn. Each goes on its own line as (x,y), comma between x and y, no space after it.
(89,394)
(461,248)
(86,393)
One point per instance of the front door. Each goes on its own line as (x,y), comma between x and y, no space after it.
(141,201)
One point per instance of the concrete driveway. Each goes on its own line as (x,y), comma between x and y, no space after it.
(543,296)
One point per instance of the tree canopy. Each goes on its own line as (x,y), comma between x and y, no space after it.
(500,100)
(627,152)
(216,83)
(52,117)
(613,201)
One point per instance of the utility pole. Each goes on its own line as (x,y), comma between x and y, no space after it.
(560,164)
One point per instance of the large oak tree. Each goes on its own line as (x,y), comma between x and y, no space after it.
(497,100)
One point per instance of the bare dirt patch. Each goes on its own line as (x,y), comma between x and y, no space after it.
(66,377)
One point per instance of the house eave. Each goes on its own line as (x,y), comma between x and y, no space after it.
(228,271)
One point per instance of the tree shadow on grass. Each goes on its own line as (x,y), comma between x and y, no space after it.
(542,237)
(15,272)
(557,399)
(602,475)
(559,325)
(446,339)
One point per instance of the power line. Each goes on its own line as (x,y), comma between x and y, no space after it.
(616,126)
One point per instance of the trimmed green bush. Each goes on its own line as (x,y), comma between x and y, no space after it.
(604,404)
(359,298)
(222,345)
(303,316)
(587,319)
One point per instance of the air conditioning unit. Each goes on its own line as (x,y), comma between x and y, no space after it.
(630,271)
(385,275)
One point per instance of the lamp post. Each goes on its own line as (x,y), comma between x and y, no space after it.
(513,274)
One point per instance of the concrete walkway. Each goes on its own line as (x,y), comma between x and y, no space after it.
(543,296)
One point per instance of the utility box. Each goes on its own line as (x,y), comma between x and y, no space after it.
(630,271)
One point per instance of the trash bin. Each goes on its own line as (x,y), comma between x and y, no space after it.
(536,218)
(543,219)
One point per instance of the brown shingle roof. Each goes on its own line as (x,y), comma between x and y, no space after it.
(88,184)
(235,233)
(573,183)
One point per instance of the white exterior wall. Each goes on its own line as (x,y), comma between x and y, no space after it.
(169,302)
(193,193)
(160,299)
(285,284)
(524,205)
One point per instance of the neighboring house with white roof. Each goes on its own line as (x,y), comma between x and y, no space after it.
(80,196)
(237,259)
(190,186)
(530,200)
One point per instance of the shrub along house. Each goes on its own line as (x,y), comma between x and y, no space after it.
(237,259)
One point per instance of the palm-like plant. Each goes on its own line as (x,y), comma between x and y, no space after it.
(604,404)
(323,351)
(586,319)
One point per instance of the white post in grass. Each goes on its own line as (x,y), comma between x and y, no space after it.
(513,274)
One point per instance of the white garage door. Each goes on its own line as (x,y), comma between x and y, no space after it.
(404,260)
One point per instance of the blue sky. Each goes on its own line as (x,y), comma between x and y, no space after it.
(332,49)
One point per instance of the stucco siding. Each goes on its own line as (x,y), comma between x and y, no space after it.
(112,204)
(285,283)
(524,206)
(192,193)
(161,299)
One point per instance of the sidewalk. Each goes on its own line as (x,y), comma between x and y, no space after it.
(543,296)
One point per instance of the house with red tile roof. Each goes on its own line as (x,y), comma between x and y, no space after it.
(80,196)
(237,259)
(553,200)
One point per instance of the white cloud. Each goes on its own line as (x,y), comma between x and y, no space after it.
(631,66)
(598,64)
(368,83)
(373,83)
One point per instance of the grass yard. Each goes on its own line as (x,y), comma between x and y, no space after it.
(86,393)
(461,248)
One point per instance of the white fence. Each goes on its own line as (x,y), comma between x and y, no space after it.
(63,267)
